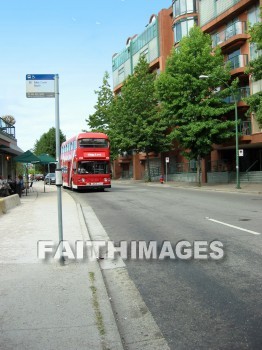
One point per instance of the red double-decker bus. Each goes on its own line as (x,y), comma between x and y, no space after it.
(85,161)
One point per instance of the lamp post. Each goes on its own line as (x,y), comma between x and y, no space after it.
(236,127)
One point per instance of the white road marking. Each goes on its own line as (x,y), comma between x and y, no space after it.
(233,226)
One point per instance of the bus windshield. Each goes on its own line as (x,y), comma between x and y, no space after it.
(93,167)
(93,143)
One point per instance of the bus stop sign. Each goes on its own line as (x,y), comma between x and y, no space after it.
(40,85)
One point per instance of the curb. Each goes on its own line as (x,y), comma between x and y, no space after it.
(111,338)
(136,325)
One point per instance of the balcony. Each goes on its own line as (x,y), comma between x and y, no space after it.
(245,128)
(215,13)
(7,128)
(239,61)
(243,92)
(231,35)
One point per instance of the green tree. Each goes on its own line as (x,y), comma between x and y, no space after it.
(136,122)
(255,69)
(47,143)
(195,108)
(100,119)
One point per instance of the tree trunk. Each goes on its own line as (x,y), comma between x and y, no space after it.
(198,170)
(148,167)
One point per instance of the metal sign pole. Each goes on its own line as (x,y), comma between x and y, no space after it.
(167,161)
(47,86)
(58,165)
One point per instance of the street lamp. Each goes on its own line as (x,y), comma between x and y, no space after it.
(236,126)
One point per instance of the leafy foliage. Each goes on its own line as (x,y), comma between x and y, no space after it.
(100,119)
(9,119)
(137,123)
(131,119)
(194,107)
(136,113)
(47,143)
(255,68)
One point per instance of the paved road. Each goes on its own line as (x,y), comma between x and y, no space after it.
(197,304)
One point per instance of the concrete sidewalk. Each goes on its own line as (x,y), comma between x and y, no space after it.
(47,305)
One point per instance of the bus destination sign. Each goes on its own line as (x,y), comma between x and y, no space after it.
(94,154)
(40,85)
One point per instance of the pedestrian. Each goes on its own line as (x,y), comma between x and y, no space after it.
(12,184)
(20,185)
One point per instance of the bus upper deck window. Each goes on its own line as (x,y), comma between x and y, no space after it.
(93,143)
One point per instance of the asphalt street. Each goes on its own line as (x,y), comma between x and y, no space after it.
(197,304)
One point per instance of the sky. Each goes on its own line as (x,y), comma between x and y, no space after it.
(75,39)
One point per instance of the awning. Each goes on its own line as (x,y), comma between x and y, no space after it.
(46,159)
(27,157)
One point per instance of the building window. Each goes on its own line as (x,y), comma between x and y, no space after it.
(233,58)
(182,7)
(121,58)
(121,74)
(254,52)
(231,29)
(254,16)
(143,39)
(144,53)
(182,28)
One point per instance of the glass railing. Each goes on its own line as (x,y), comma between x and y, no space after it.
(245,127)
(7,128)
(120,58)
(234,29)
(211,9)
(242,93)
(238,61)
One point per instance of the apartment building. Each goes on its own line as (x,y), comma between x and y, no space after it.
(227,22)
(155,42)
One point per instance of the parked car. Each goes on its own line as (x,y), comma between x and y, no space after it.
(39,177)
(50,178)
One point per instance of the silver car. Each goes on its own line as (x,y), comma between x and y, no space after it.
(50,178)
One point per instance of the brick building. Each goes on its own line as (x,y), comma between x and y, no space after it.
(227,23)
(155,42)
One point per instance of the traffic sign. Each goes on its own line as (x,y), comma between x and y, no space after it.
(40,85)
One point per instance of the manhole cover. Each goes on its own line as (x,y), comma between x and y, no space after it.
(244,219)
